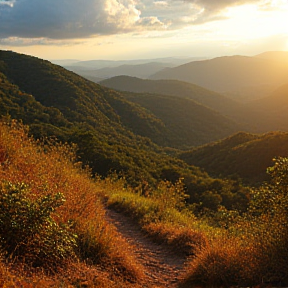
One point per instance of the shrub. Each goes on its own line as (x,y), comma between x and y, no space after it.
(225,262)
(28,231)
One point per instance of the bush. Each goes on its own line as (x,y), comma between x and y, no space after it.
(27,230)
(226,262)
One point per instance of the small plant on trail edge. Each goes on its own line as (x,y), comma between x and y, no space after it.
(27,230)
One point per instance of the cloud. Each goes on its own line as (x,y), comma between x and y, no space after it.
(211,10)
(76,19)
(213,5)
(7,2)
(64,19)
(152,22)
(22,42)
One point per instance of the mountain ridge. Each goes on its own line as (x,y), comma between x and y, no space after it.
(241,77)
(208,98)
(243,155)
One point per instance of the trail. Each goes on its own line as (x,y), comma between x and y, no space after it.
(162,266)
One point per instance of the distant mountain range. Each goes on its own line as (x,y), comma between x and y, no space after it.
(99,64)
(208,98)
(97,70)
(139,70)
(258,116)
(241,77)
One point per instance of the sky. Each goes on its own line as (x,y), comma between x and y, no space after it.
(142,29)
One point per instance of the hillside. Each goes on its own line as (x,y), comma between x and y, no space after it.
(258,116)
(20,105)
(83,101)
(273,108)
(242,155)
(53,220)
(243,78)
(94,117)
(186,122)
(181,89)
(99,120)
(59,227)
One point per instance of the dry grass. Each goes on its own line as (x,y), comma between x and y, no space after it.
(224,263)
(161,214)
(253,253)
(48,168)
(183,239)
(248,252)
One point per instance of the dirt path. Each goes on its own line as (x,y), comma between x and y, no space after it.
(162,266)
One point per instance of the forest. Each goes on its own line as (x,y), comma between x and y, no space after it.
(191,173)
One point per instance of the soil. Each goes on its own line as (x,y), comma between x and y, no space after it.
(162,266)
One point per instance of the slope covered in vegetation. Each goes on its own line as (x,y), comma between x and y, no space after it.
(242,155)
(93,117)
(186,122)
(228,248)
(52,208)
(272,110)
(100,121)
(208,98)
(262,115)
(52,218)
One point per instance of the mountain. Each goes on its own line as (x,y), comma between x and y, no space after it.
(99,64)
(280,56)
(56,102)
(139,70)
(242,155)
(224,105)
(274,109)
(186,122)
(241,77)
(96,70)
(98,127)
(258,116)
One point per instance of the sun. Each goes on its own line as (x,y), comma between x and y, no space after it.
(250,21)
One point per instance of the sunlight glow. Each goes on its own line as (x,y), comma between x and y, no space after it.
(249,22)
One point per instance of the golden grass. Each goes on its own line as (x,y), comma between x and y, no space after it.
(223,263)
(49,168)
(159,216)
(248,252)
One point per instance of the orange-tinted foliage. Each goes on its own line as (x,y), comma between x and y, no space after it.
(183,239)
(49,168)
